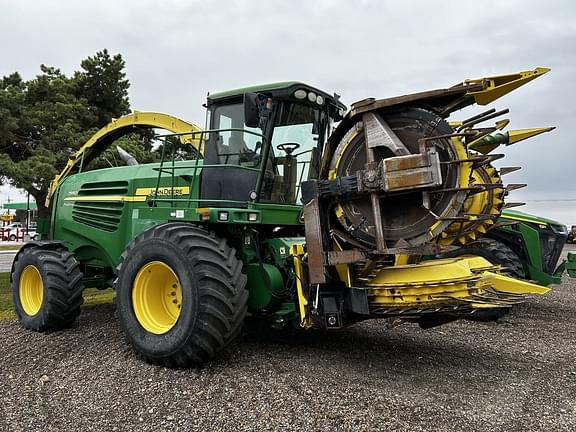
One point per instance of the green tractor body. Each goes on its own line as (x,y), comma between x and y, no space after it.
(538,242)
(526,245)
(282,215)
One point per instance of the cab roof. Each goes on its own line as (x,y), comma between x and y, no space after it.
(281,88)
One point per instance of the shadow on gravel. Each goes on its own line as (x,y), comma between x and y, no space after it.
(368,346)
(373,345)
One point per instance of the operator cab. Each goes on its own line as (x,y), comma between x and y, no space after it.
(263,141)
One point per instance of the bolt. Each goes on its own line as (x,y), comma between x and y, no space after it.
(332,320)
(175,301)
(174,286)
(173,293)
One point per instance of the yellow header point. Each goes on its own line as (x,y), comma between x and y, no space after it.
(497,86)
(515,136)
(502,124)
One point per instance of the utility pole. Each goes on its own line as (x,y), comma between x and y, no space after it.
(27,213)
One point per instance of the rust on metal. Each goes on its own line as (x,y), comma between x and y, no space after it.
(314,244)
(368,119)
(345,257)
(440,100)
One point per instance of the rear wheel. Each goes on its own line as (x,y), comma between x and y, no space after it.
(46,288)
(181,294)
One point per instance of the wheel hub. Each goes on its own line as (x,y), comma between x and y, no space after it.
(31,290)
(157,297)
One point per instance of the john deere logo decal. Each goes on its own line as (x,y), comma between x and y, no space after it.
(164,191)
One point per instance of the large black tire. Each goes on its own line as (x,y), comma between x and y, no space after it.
(494,251)
(211,294)
(497,253)
(46,288)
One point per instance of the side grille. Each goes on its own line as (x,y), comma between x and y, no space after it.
(104,188)
(99,214)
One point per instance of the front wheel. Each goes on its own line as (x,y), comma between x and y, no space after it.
(181,294)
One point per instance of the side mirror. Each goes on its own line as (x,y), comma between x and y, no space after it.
(252,109)
(337,113)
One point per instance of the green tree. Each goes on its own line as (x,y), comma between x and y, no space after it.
(43,121)
(102,82)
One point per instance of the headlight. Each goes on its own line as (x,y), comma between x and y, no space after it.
(300,94)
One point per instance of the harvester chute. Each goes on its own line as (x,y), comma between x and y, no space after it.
(117,128)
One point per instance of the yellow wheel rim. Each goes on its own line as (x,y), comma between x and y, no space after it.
(156,297)
(31,290)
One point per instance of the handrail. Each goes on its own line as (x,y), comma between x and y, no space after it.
(173,168)
(124,125)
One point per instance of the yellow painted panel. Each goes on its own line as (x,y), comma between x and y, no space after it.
(497,86)
(107,198)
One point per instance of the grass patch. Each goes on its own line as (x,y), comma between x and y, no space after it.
(92,297)
(10,247)
(6,308)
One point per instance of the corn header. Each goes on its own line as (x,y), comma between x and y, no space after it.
(282,216)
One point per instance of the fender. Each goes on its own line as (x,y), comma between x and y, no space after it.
(42,244)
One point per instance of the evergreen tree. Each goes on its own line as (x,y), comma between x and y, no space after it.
(44,121)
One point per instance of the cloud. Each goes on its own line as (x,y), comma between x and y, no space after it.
(176,51)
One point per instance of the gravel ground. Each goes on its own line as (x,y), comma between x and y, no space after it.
(515,375)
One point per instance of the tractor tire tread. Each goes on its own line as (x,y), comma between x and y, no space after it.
(221,286)
(503,255)
(62,280)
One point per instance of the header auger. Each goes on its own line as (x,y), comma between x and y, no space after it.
(283,217)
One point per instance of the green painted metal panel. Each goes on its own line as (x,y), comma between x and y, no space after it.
(255,89)
(527,217)
(265,285)
(571,264)
(97,213)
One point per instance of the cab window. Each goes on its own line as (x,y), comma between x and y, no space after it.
(234,147)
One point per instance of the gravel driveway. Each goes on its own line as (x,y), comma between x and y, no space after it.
(515,375)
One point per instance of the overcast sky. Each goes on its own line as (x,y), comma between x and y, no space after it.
(178,50)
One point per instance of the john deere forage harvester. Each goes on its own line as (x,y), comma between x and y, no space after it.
(279,215)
